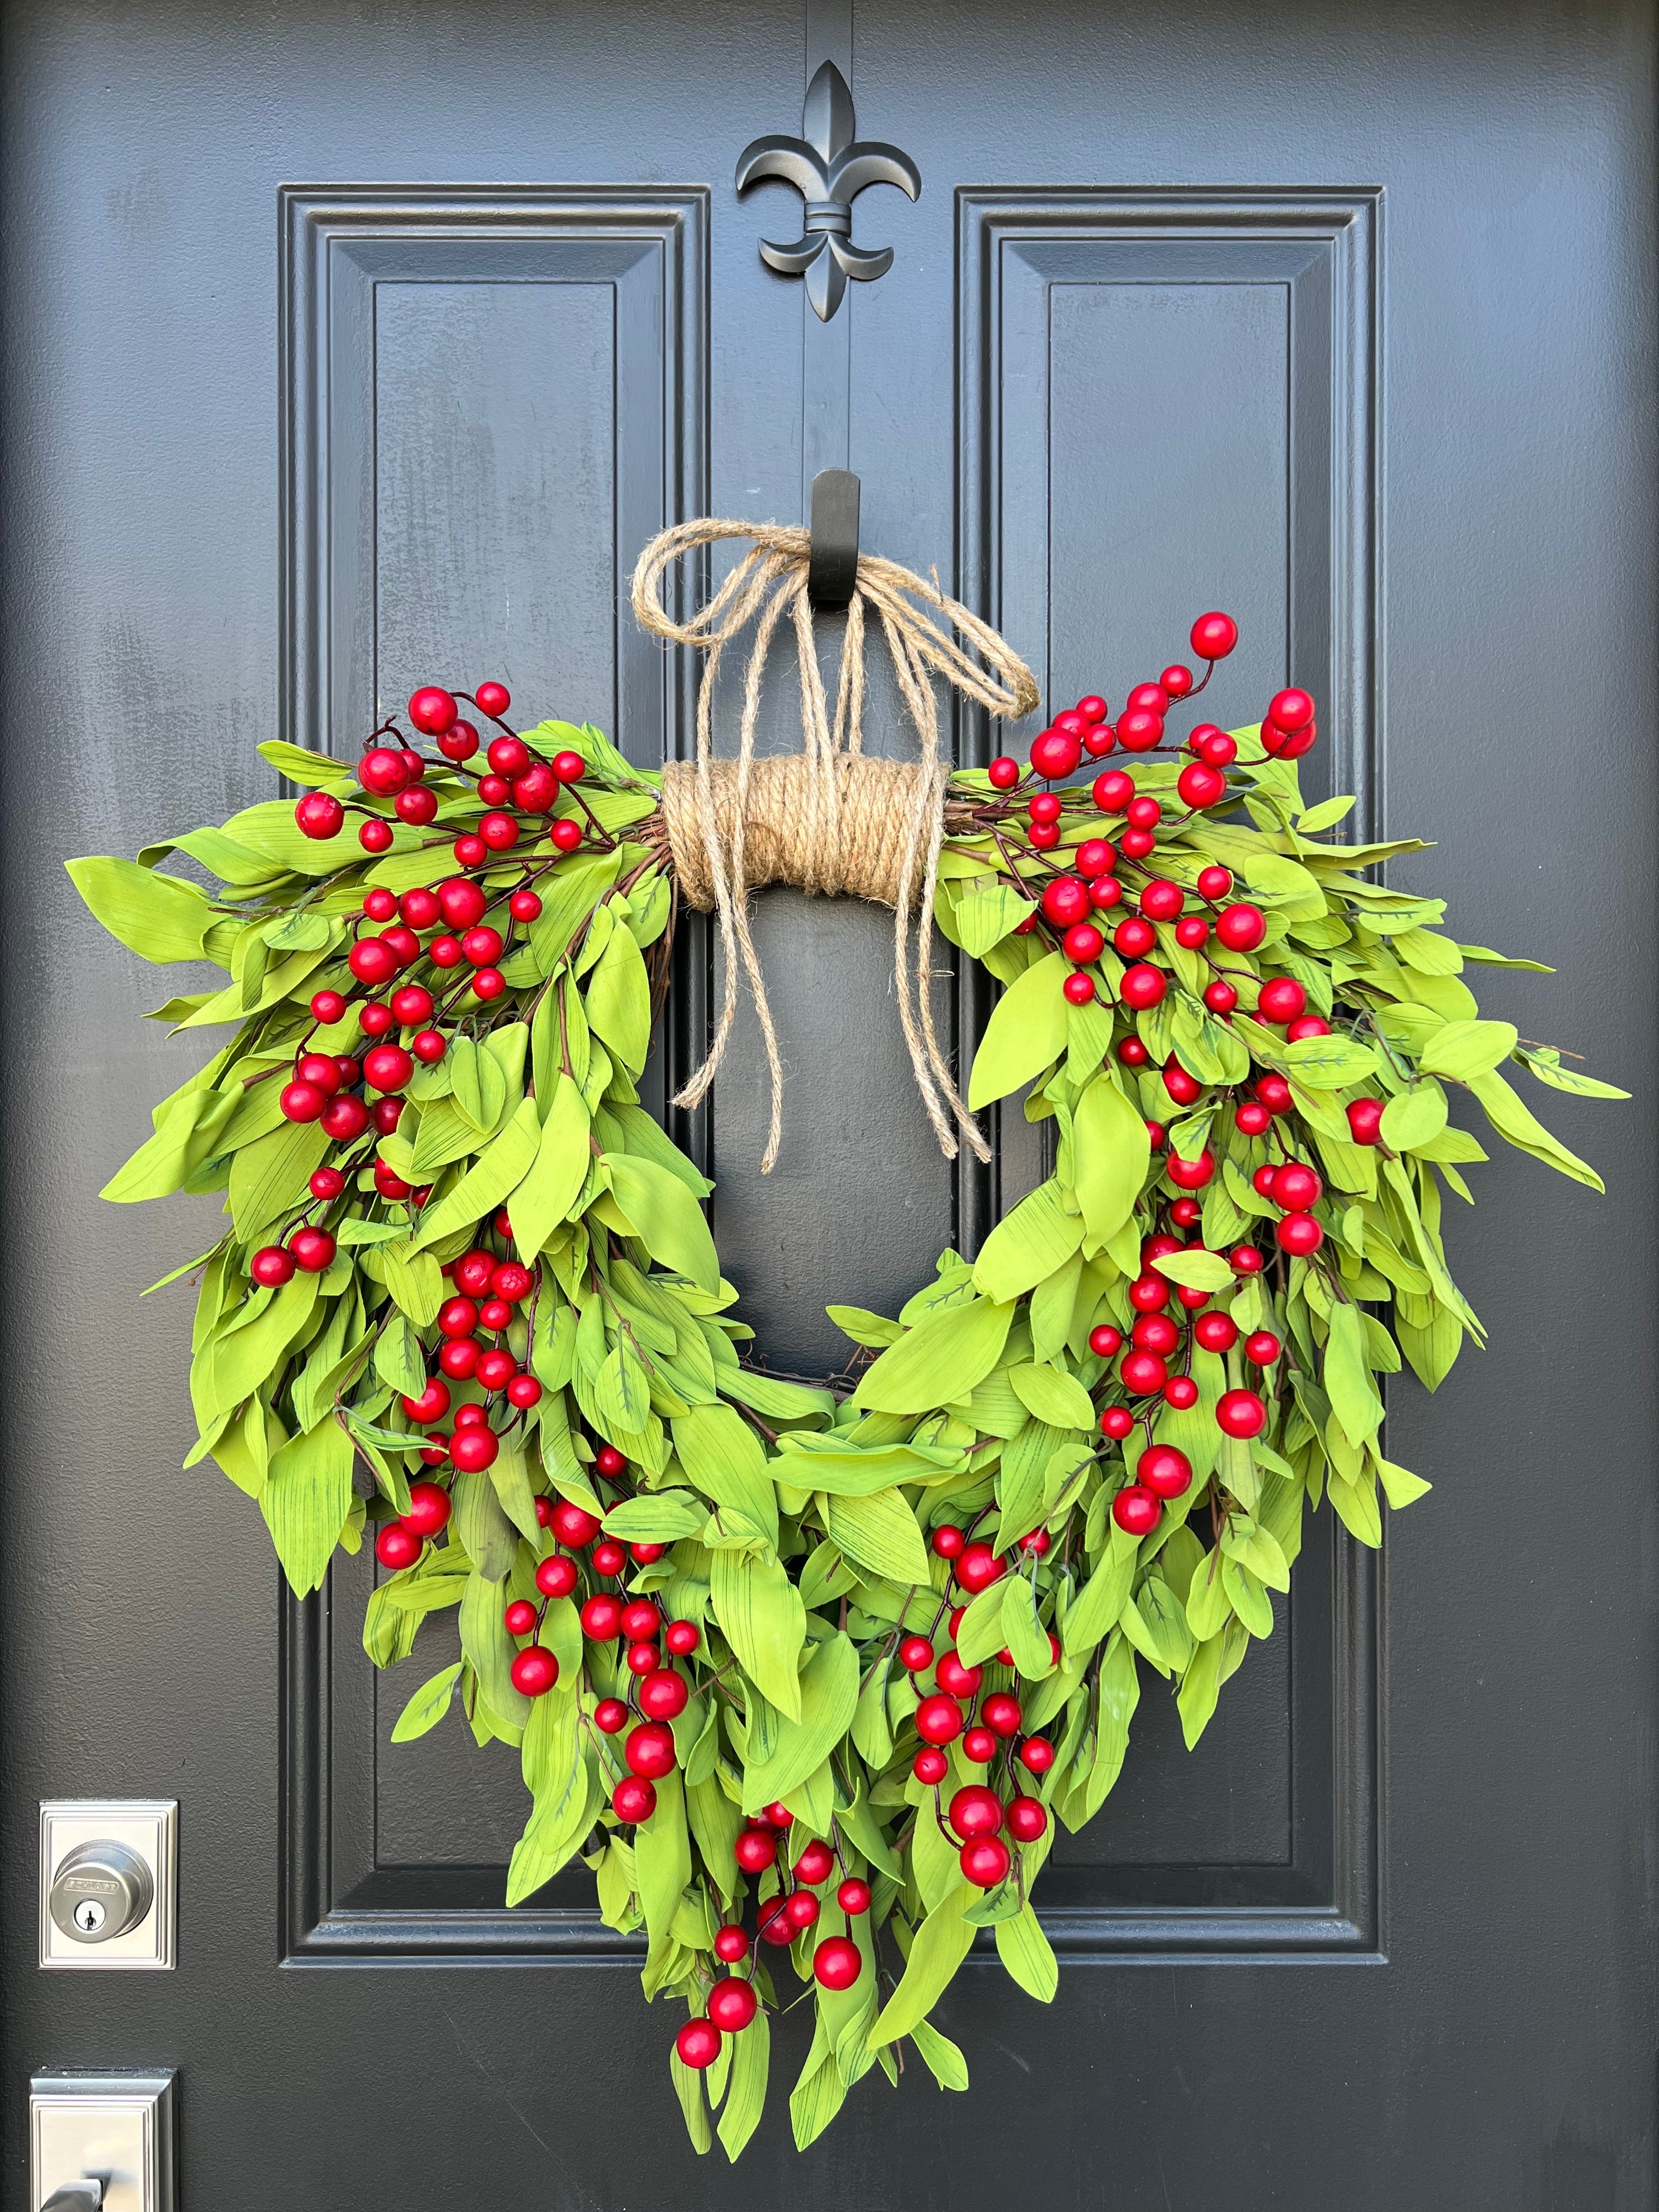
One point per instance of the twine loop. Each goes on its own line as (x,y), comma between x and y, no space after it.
(831,818)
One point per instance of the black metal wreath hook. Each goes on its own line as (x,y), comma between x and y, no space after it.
(829,168)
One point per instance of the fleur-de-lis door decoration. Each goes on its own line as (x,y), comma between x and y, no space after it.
(828,168)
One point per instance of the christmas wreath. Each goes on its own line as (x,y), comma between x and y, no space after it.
(801,1670)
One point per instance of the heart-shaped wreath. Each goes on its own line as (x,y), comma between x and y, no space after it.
(793,1667)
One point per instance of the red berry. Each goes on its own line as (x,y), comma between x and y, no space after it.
(1215,1332)
(1200,785)
(930,1766)
(1181,1392)
(755,1849)
(1214,636)
(837,1962)
(1136,1511)
(473,1449)
(1113,792)
(985,1864)
(1116,1421)
(396,1548)
(570,768)
(495,1314)
(1083,943)
(1037,1754)
(854,1896)
(1155,1332)
(426,1406)
(1143,1373)
(1142,986)
(319,815)
(979,1745)
(915,1655)
(633,1800)
(1262,1348)
(1307,1025)
(1291,710)
(1191,931)
(663,1693)
(1295,1187)
(534,1671)
(1028,1817)
(432,710)
(976,1811)
(649,1750)
(458,1358)
(388,1067)
(1043,808)
(556,1576)
(601,1619)
(610,1716)
(376,836)
(1065,900)
(566,834)
(1054,754)
(512,1281)
(519,1617)
(1299,1235)
(949,1542)
(1365,1120)
(1002,1713)
(640,1620)
(1184,1089)
(979,1567)
(302,1101)
(1105,1341)
(1139,730)
(382,771)
(957,1680)
(1133,1053)
(731,2005)
(271,1266)
(815,1862)
(1251,1118)
(312,1249)
(1241,1414)
(415,807)
(698,2044)
(1164,1471)
(938,1720)
(1144,813)
(1241,928)
(1132,937)
(1003,773)
(731,1943)
(1192,1174)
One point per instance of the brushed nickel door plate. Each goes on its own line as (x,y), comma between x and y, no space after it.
(108,1883)
(103,2140)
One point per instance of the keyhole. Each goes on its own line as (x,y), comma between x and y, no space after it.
(89,1915)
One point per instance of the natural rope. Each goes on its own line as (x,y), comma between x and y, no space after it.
(832,818)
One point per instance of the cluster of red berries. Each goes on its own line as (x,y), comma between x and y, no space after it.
(516,776)
(837,1961)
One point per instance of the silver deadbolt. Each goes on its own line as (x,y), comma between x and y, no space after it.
(99,1891)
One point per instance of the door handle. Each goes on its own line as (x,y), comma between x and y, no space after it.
(85,2196)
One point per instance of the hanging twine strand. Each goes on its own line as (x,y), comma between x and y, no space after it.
(831,818)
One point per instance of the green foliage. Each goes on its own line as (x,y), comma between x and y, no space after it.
(790,1521)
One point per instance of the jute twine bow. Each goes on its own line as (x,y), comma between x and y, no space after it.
(832,818)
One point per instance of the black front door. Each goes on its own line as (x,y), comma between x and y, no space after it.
(1341,322)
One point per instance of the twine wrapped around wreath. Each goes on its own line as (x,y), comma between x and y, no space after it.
(831,818)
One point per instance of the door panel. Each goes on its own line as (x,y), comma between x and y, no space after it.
(1129,361)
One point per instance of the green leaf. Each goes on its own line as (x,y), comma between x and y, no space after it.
(1110,1151)
(1520,1127)
(1348,1376)
(1028,1244)
(943,1941)
(1060,1400)
(1024,1035)
(721,1454)
(1462,1050)
(941,1359)
(984,918)
(666,1217)
(828,1694)
(1027,1954)
(662,1858)
(880,1533)
(398,1357)
(745,2089)
(306,1498)
(1329,1063)
(944,2061)
(657,1516)
(1400,1486)
(1324,816)
(555,1177)
(160,918)
(1200,1687)
(688,2087)
(619,1001)
(494,1175)
(761,1617)
(1546,1064)
(1198,1271)
(1097,1606)
(1415,1117)
(864,1327)
(427,1707)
